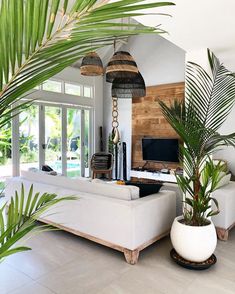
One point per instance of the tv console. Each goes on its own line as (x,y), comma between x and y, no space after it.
(156,175)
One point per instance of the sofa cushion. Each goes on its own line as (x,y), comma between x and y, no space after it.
(224,180)
(135,191)
(104,189)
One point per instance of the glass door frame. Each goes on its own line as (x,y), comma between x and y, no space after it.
(41,115)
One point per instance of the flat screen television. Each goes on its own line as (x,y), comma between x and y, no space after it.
(161,150)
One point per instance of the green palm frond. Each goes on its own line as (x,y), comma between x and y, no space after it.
(23,211)
(39,38)
(209,99)
(212,96)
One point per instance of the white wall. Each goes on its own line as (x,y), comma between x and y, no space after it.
(160,62)
(198,24)
(228,153)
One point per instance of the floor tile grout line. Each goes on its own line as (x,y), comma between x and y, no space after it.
(19,271)
(18,288)
(57,268)
(25,285)
(53,291)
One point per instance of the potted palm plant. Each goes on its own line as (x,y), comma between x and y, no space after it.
(208,101)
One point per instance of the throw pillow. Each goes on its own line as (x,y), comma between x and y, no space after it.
(146,189)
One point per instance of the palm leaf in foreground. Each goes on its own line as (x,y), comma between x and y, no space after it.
(21,218)
(39,38)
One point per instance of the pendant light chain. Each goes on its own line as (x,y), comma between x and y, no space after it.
(115,122)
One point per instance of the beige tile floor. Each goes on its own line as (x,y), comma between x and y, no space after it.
(65,264)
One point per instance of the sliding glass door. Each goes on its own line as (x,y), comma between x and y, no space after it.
(29,137)
(74,150)
(53,138)
(87,141)
(55,135)
(6,166)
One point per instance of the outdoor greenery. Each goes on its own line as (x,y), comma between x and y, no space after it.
(209,99)
(23,211)
(5,143)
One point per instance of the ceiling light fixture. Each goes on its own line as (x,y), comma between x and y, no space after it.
(121,65)
(128,88)
(92,65)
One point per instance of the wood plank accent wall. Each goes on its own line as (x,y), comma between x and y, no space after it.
(148,121)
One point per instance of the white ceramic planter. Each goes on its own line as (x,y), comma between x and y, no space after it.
(193,243)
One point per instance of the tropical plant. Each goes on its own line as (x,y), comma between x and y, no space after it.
(23,211)
(209,99)
(39,38)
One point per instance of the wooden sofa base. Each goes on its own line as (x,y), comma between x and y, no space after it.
(223,234)
(131,256)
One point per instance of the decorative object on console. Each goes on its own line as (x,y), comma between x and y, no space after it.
(121,65)
(197,123)
(102,163)
(128,88)
(120,182)
(92,65)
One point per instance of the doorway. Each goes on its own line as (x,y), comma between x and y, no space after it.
(55,135)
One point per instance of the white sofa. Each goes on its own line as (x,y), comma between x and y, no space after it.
(225,220)
(109,214)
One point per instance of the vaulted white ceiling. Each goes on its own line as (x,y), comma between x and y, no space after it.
(197,24)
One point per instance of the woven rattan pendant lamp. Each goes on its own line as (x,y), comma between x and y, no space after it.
(129,87)
(121,65)
(92,65)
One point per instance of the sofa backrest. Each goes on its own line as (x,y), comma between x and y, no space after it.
(84,185)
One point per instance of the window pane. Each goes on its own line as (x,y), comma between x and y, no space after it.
(87,142)
(87,91)
(29,138)
(73,142)
(5,153)
(53,86)
(73,89)
(53,138)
